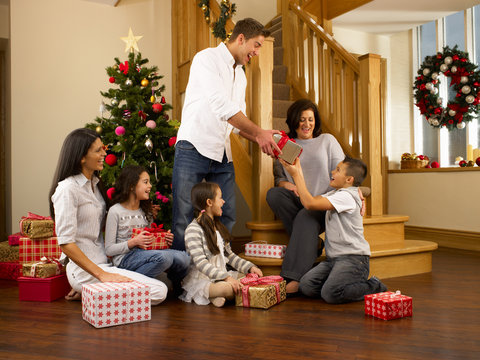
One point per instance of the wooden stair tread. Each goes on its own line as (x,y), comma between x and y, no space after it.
(410,247)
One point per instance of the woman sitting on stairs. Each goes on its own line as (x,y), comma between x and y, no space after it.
(321,154)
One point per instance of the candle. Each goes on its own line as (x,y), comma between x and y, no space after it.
(469,152)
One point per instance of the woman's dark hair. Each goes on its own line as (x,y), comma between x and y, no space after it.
(126,183)
(200,193)
(74,148)
(294,113)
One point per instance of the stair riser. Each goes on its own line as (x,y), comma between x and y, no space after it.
(384,236)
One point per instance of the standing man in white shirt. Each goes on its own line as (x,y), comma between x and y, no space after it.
(215,105)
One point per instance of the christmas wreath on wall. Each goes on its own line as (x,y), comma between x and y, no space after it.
(226,11)
(465,82)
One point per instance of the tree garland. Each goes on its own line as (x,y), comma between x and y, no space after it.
(465,81)
(226,11)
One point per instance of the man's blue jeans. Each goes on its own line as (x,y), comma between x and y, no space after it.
(190,168)
(340,280)
(154,262)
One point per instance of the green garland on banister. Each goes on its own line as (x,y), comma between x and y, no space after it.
(226,11)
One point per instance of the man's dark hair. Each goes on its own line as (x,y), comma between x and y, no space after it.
(250,28)
(357,169)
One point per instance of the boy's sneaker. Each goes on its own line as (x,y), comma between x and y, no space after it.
(378,286)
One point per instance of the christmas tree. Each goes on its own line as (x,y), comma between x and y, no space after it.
(135,127)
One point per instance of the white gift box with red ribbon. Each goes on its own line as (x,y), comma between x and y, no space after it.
(388,305)
(109,304)
(262,249)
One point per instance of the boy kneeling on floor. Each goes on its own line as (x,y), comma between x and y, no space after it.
(343,276)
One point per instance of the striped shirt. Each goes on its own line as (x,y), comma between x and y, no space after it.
(79,216)
(197,248)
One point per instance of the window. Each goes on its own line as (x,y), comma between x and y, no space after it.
(440,144)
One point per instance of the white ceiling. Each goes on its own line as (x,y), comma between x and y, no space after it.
(385,17)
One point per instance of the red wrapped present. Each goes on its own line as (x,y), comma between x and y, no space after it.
(262,249)
(33,250)
(36,226)
(160,241)
(290,149)
(10,270)
(45,268)
(14,239)
(261,292)
(38,289)
(388,305)
(109,304)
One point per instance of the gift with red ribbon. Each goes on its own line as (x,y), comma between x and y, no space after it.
(263,249)
(36,226)
(45,268)
(32,250)
(261,292)
(290,149)
(160,240)
(388,305)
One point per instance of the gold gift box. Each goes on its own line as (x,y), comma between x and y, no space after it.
(42,270)
(263,296)
(37,229)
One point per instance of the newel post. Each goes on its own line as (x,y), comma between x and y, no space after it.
(369,104)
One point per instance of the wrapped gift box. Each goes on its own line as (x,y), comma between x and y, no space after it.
(37,289)
(37,227)
(160,241)
(261,292)
(10,270)
(388,305)
(8,253)
(14,239)
(109,304)
(45,268)
(32,250)
(262,249)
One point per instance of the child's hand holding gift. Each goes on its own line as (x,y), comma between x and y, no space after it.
(169,238)
(142,240)
(256,270)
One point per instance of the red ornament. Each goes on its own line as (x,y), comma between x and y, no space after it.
(477,161)
(111,159)
(462,163)
(428,166)
(172,141)
(124,67)
(163,100)
(435,164)
(112,79)
(110,192)
(157,107)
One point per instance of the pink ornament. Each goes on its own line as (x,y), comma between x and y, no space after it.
(435,164)
(111,159)
(165,199)
(120,130)
(172,141)
(110,192)
(151,124)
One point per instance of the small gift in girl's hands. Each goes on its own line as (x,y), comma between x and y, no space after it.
(290,149)
(160,236)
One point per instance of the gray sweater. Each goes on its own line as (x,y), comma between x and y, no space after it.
(319,157)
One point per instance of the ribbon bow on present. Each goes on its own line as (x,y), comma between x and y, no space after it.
(254,280)
(36,217)
(45,260)
(281,143)
(154,228)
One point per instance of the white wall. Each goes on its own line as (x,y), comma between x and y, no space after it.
(263,11)
(59,51)
(443,200)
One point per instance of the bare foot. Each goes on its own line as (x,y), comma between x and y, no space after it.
(218,301)
(73,296)
(292,287)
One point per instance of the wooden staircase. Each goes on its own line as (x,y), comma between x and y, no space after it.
(305,61)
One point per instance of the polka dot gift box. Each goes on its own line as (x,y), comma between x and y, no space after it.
(262,249)
(109,304)
(388,305)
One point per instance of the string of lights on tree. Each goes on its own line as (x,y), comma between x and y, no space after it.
(226,12)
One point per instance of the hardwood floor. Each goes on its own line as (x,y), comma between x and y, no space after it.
(445,325)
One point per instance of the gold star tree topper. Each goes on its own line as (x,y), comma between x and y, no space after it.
(131,41)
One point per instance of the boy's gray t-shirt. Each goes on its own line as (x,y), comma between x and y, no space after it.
(118,230)
(344,225)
